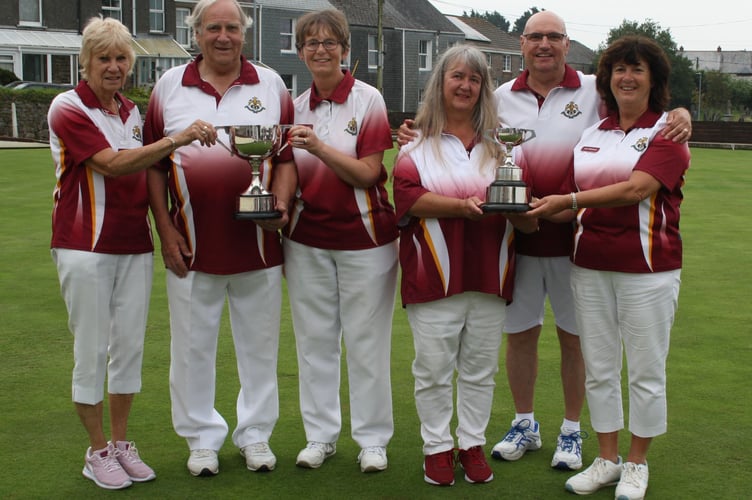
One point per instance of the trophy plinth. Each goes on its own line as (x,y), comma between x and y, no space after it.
(508,192)
(255,143)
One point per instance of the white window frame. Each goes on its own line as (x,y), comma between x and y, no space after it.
(284,35)
(158,14)
(181,27)
(113,11)
(506,66)
(425,55)
(373,52)
(30,22)
(293,87)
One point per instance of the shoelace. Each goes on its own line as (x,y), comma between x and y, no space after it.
(202,453)
(517,432)
(320,447)
(130,453)
(598,469)
(109,462)
(373,450)
(447,459)
(631,475)
(571,442)
(475,454)
(259,448)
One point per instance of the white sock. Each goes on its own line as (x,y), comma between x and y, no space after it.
(518,417)
(569,427)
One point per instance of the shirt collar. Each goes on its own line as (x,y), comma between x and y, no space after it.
(192,77)
(570,81)
(340,93)
(646,120)
(90,99)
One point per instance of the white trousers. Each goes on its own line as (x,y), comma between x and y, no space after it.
(463,333)
(196,305)
(336,295)
(632,314)
(107,298)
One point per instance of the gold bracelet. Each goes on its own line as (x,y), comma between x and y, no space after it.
(574,201)
(173,142)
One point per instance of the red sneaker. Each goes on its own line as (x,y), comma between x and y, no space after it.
(439,468)
(473,461)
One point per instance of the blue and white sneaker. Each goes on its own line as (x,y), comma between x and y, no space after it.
(523,436)
(568,454)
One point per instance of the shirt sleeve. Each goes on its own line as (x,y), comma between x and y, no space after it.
(407,187)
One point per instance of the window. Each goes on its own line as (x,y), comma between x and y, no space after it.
(6,62)
(291,82)
(30,12)
(507,63)
(156,16)
(373,52)
(287,35)
(489,60)
(113,9)
(424,55)
(182,30)
(34,67)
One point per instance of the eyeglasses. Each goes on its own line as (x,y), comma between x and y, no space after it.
(313,45)
(553,37)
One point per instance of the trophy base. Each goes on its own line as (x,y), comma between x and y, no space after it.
(494,208)
(257,206)
(257,215)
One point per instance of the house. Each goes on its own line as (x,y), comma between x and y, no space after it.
(501,48)
(40,39)
(414,33)
(737,63)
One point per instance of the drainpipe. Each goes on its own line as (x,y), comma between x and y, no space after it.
(133,17)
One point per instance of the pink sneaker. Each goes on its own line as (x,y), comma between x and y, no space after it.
(103,468)
(127,455)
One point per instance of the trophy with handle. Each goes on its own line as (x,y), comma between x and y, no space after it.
(508,193)
(255,143)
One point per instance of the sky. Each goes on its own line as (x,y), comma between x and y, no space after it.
(695,26)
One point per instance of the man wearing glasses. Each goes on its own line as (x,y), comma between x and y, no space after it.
(558,103)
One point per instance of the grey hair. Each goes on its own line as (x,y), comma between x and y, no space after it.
(195,19)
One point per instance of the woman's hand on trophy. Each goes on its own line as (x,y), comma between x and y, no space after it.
(200,131)
(301,135)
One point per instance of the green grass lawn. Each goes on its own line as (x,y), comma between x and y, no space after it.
(705,453)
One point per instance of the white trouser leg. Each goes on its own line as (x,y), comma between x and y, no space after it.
(196,303)
(255,299)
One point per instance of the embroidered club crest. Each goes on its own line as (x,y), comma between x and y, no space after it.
(641,144)
(255,105)
(571,110)
(352,127)
(137,134)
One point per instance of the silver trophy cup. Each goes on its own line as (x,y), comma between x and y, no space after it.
(255,143)
(508,192)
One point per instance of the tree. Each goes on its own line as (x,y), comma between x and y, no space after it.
(681,80)
(494,18)
(519,24)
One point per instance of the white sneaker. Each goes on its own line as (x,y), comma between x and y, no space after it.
(601,473)
(314,454)
(372,459)
(259,457)
(568,454)
(203,463)
(523,436)
(633,482)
